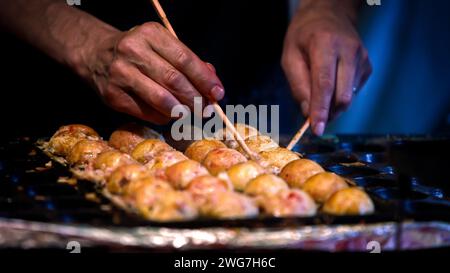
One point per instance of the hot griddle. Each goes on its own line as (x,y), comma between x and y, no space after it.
(30,191)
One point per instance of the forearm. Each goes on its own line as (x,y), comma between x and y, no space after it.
(62,32)
(349,7)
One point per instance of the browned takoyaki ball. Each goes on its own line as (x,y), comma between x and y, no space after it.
(108,161)
(86,151)
(76,128)
(165,159)
(129,135)
(123,175)
(259,144)
(148,149)
(199,149)
(240,174)
(291,202)
(229,205)
(172,206)
(278,158)
(244,130)
(222,159)
(181,173)
(349,201)
(298,171)
(265,184)
(67,136)
(322,185)
(146,191)
(203,186)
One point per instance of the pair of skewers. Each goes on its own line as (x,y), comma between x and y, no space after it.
(218,109)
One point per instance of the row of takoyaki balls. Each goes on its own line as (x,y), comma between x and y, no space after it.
(209,179)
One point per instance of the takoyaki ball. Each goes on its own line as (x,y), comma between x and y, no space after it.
(244,130)
(108,161)
(85,152)
(172,206)
(292,202)
(181,173)
(298,171)
(259,144)
(129,135)
(322,185)
(240,174)
(222,159)
(165,159)
(203,186)
(76,128)
(146,191)
(265,184)
(123,175)
(229,205)
(278,158)
(199,149)
(67,136)
(148,149)
(349,201)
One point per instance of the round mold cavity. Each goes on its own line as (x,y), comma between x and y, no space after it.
(316,149)
(375,182)
(368,148)
(396,194)
(319,158)
(343,158)
(353,171)
(372,157)
(429,208)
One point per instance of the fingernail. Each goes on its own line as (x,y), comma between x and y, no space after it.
(319,128)
(305,108)
(217,93)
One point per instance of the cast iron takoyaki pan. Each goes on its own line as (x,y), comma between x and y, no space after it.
(30,190)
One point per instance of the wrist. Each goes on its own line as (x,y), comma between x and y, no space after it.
(348,8)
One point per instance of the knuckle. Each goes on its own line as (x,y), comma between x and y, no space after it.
(117,69)
(127,45)
(324,36)
(172,77)
(353,46)
(120,75)
(150,27)
(324,81)
(183,58)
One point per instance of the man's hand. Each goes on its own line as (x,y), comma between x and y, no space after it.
(146,71)
(324,59)
(143,72)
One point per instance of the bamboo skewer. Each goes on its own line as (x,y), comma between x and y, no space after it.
(162,15)
(299,134)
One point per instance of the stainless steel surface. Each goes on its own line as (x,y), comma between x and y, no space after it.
(414,235)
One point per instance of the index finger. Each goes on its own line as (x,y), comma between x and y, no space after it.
(323,69)
(188,63)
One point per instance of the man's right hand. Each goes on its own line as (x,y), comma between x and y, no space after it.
(146,71)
